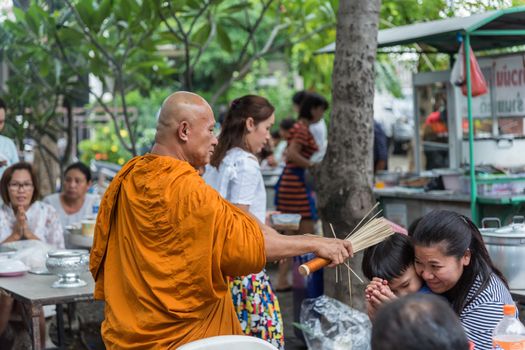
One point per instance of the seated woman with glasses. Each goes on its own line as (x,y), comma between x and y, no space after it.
(22,217)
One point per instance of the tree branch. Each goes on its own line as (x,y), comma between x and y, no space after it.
(246,67)
(37,139)
(89,35)
(122,93)
(197,16)
(165,21)
(98,98)
(186,42)
(251,32)
(302,38)
(206,44)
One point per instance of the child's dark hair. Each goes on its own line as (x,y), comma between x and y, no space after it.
(388,259)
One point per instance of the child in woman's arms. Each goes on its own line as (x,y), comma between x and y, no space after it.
(389,266)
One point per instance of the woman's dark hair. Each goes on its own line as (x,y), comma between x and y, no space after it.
(287,124)
(83,168)
(456,234)
(8,175)
(2,104)
(298,97)
(388,259)
(413,226)
(418,321)
(310,101)
(233,128)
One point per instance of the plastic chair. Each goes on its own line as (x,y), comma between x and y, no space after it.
(229,342)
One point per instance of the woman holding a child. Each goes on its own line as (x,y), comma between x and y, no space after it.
(451,258)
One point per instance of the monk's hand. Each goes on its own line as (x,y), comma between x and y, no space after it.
(335,250)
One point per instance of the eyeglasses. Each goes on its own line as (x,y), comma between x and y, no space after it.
(14,186)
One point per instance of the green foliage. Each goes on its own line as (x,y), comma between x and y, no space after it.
(222,49)
(317,17)
(147,106)
(279,95)
(104,145)
(52,53)
(39,80)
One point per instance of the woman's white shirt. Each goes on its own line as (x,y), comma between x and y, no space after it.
(239,180)
(42,220)
(69,219)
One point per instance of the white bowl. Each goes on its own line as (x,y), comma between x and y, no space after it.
(286,221)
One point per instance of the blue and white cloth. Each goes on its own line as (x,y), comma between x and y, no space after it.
(480,317)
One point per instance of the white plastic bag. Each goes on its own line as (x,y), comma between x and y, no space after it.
(329,324)
(32,253)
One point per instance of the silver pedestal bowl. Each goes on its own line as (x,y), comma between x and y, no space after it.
(68,264)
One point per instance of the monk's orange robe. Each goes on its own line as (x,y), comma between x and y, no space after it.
(164,244)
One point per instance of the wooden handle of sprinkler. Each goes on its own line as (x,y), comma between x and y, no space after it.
(313,265)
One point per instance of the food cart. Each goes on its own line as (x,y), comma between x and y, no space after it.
(489,129)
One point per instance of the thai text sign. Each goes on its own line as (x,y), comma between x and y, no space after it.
(509,81)
(506,77)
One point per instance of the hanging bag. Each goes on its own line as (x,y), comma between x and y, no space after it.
(458,76)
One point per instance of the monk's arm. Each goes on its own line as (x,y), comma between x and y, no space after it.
(279,246)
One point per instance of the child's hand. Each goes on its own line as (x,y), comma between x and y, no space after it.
(382,294)
(377,292)
(376,283)
(370,309)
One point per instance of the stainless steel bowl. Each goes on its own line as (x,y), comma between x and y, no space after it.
(68,264)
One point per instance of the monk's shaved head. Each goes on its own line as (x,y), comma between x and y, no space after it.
(185,129)
(181,106)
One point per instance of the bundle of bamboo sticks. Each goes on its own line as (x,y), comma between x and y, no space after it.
(364,235)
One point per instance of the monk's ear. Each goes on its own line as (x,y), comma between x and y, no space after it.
(183,130)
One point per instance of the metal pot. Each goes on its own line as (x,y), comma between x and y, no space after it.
(506,247)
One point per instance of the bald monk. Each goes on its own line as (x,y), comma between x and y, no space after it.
(165,241)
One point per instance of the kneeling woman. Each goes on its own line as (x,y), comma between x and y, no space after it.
(452,259)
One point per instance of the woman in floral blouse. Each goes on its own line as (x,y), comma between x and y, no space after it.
(22,217)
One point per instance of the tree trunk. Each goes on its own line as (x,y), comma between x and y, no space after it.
(345,175)
(46,166)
